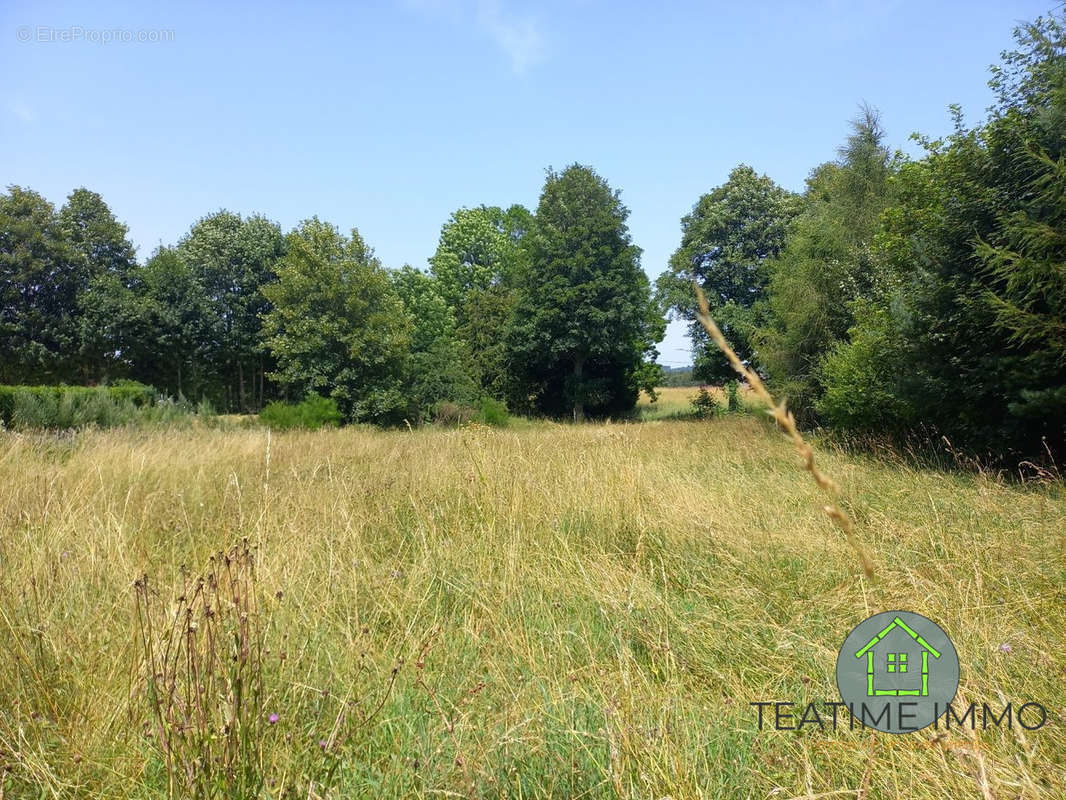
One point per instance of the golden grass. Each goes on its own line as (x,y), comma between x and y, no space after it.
(783,417)
(670,400)
(580,611)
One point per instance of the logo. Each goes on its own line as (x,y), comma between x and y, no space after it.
(897,671)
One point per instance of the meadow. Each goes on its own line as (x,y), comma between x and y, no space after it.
(536,611)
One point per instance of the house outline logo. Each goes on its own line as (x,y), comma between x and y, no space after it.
(897,671)
(896,662)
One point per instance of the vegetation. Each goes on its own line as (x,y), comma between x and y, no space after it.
(915,299)
(63,407)
(310,414)
(584,321)
(548,611)
(337,326)
(919,299)
(725,244)
(302,605)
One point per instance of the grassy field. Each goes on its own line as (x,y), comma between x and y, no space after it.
(671,401)
(549,611)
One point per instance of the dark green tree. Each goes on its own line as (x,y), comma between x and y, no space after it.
(584,322)
(169,327)
(337,326)
(967,339)
(725,243)
(41,279)
(826,265)
(234,259)
(103,251)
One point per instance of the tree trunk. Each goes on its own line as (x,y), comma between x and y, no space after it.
(579,390)
(241,397)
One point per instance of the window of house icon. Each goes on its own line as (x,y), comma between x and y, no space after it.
(897,662)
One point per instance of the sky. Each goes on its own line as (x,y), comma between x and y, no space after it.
(387,116)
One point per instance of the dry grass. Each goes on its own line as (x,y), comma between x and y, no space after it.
(552,611)
(670,401)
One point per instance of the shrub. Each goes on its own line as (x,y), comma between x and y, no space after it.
(703,404)
(453,414)
(61,407)
(311,414)
(139,394)
(732,401)
(493,412)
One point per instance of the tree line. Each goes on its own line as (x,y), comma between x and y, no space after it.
(905,297)
(895,296)
(549,311)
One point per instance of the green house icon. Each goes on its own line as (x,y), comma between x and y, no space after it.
(890,658)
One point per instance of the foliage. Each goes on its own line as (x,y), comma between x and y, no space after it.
(66,407)
(312,413)
(479,248)
(584,322)
(965,339)
(726,241)
(337,326)
(704,405)
(732,398)
(826,265)
(233,259)
(478,262)
(436,370)
(40,281)
(493,412)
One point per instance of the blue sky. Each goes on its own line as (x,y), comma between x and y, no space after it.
(387,116)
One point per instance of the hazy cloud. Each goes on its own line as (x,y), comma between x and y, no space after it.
(518,37)
(23,112)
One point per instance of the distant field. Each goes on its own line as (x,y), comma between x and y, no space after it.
(676,401)
(672,400)
(571,611)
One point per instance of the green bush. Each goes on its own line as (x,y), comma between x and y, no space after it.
(703,404)
(311,414)
(63,407)
(732,400)
(139,394)
(493,412)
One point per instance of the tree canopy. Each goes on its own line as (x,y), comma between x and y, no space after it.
(584,320)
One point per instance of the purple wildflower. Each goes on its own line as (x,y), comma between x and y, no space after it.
(273,719)
(1005,647)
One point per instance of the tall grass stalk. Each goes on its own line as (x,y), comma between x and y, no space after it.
(787,422)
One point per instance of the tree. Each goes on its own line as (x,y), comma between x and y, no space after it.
(436,369)
(234,259)
(584,319)
(725,243)
(480,257)
(337,327)
(826,265)
(40,281)
(479,248)
(100,240)
(101,245)
(971,318)
(171,327)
